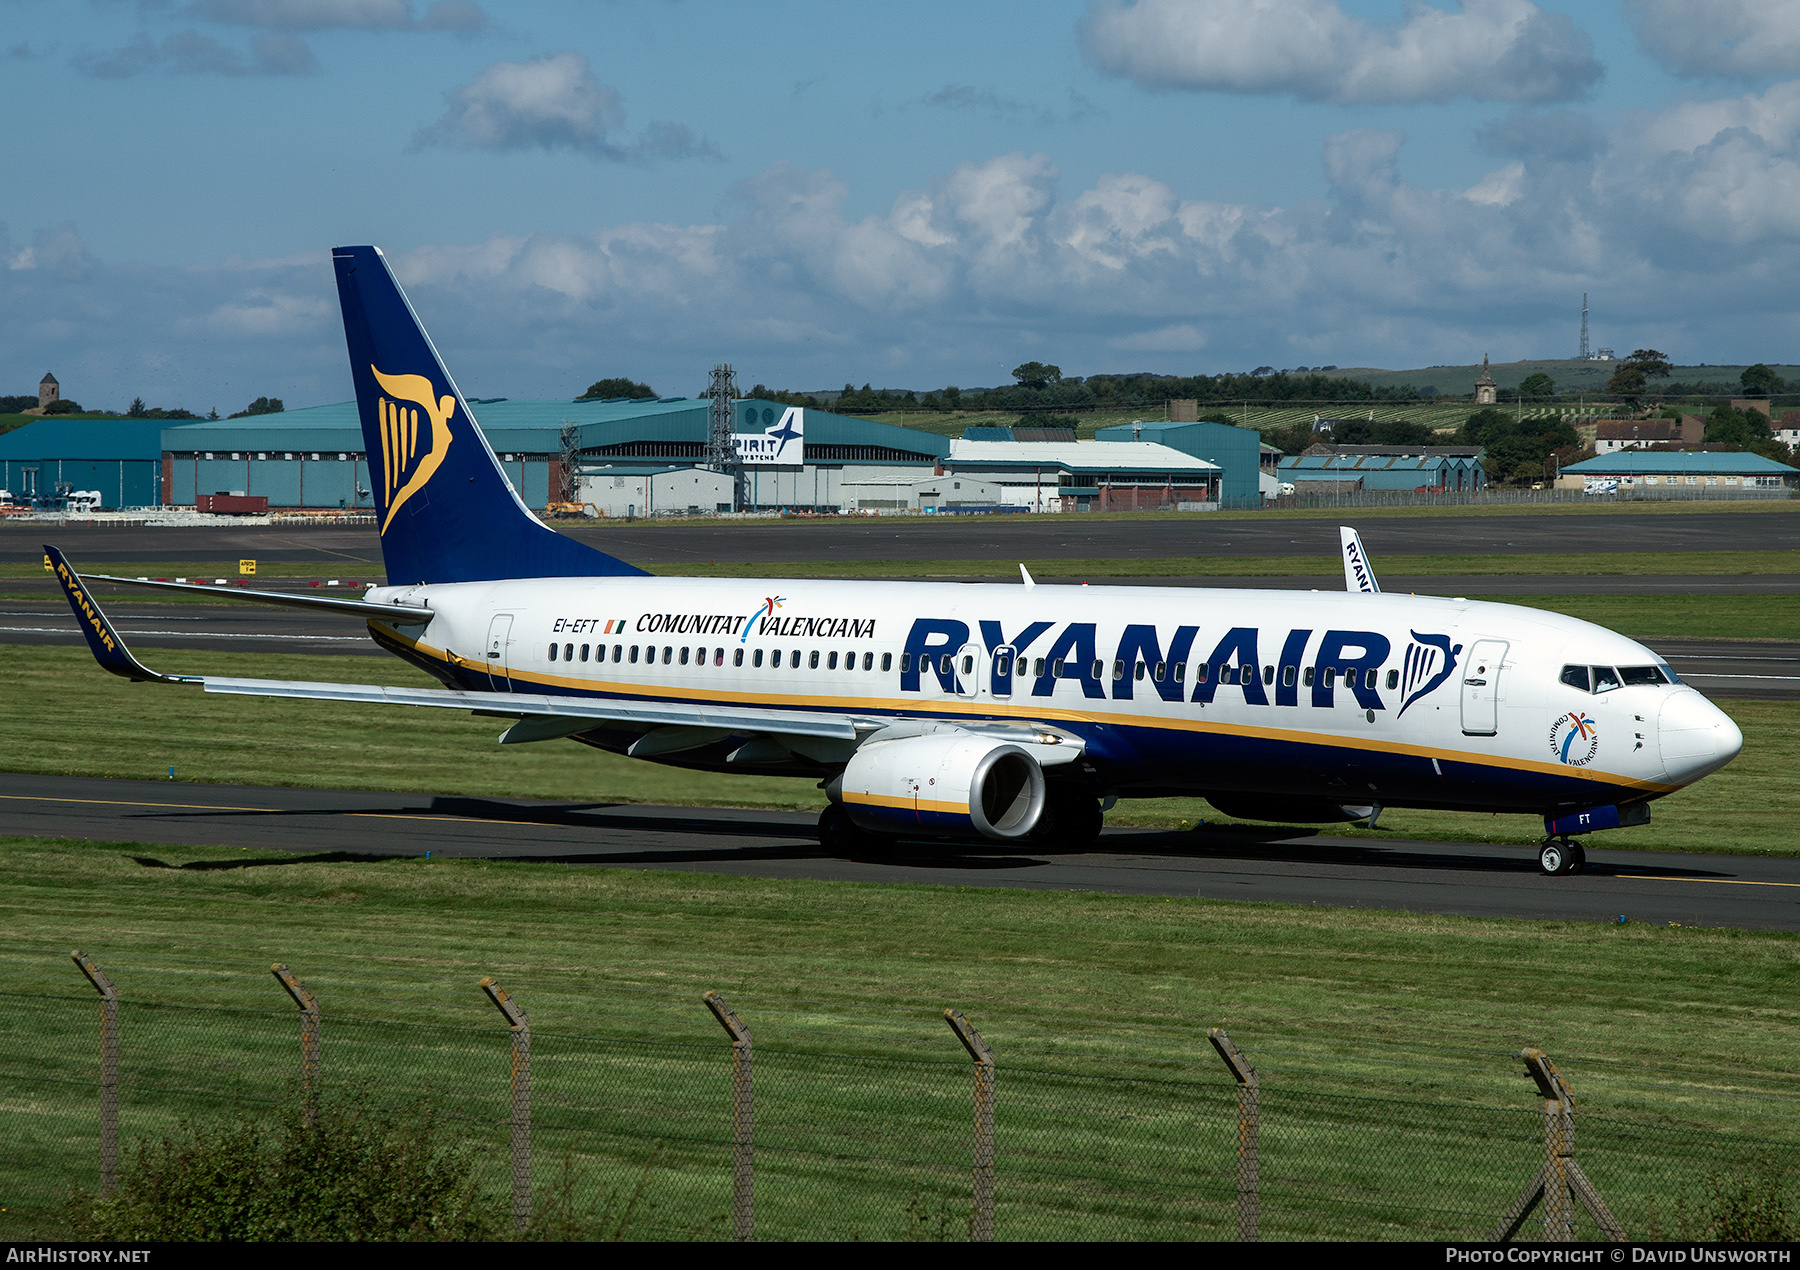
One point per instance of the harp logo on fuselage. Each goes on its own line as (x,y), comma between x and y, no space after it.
(415,436)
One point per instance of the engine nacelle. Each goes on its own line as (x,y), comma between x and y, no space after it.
(947,783)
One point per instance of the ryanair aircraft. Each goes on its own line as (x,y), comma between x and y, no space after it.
(1017,713)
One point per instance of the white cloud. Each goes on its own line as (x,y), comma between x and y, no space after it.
(1492,50)
(1727,38)
(461,16)
(552,103)
(190,53)
(1684,224)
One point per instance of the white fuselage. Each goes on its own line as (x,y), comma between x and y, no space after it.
(1393,699)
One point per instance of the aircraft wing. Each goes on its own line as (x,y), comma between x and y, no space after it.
(284,599)
(540,716)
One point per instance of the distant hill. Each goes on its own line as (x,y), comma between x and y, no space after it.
(1570,375)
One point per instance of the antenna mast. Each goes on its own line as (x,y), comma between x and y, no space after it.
(720,454)
(1584,339)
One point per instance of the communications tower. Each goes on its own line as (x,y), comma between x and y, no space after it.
(1584,339)
(721,455)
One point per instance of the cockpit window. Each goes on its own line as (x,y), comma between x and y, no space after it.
(1669,673)
(1576,677)
(1638,676)
(1605,679)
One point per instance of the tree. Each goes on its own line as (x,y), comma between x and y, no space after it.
(1538,387)
(261,406)
(136,410)
(1483,425)
(1037,375)
(609,389)
(1652,363)
(1760,381)
(1627,382)
(63,406)
(1744,429)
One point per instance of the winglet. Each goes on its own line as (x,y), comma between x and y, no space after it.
(108,649)
(1025,576)
(1358,576)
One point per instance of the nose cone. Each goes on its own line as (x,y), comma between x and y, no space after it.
(1696,737)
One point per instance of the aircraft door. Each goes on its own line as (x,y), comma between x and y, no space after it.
(498,645)
(968,670)
(1001,669)
(1481,687)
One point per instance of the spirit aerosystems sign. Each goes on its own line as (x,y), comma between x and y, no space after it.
(782,442)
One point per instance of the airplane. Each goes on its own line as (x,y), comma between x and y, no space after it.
(1011,713)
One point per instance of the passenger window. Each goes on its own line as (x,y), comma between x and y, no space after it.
(868,661)
(1605,679)
(634,654)
(1330,676)
(1287,676)
(813,661)
(1640,676)
(756,658)
(1200,673)
(1095,669)
(737,657)
(1039,671)
(568,652)
(1002,666)
(553,652)
(584,652)
(599,652)
(1118,670)
(1056,668)
(668,654)
(616,652)
(1157,673)
(794,659)
(1393,680)
(684,655)
(1576,677)
(719,657)
(905,663)
(887,661)
(1180,671)
(1307,677)
(830,662)
(944,663)
(968,666)
(1138,672)
(1268,674)
(1247,675)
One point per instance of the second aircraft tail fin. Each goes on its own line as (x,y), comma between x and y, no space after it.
(1358,576)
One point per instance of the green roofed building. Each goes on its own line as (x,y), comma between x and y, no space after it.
(120,458)
(1669,473)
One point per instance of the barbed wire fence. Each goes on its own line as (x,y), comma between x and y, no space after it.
(870,1123)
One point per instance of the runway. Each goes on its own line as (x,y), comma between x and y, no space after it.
(1754,893)
(1066,537)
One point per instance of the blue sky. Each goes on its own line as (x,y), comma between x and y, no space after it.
(911,195)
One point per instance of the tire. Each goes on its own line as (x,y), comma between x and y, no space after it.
(1577,858)
(1072,818)
(1553,858)
(839,835)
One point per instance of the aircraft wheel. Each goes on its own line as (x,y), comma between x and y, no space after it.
(1072,818)
(1561,857)
(839,834)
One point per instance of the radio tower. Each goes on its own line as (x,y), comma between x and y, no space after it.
(1584,342)
(722,392)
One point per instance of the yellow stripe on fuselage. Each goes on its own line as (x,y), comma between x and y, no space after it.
(1044,712)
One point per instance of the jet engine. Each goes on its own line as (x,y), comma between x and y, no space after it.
(946,783)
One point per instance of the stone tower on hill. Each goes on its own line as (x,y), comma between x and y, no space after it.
(1486,391)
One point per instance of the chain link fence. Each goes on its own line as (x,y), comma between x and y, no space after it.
(647,1121)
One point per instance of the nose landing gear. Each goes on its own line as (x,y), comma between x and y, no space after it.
(1561,856)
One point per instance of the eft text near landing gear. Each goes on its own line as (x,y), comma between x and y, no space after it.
(1561,855)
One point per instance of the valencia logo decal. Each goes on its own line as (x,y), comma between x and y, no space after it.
(1575,739)
(404,469)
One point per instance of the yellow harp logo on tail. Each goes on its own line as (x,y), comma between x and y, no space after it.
(400,457)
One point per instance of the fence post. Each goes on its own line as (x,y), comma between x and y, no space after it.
(1249,1137)
(743,1121)
(109,1069)
(521,1100)
(981,1224)
(1560,1181)
(309,1040)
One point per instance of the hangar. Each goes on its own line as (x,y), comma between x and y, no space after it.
(120,458)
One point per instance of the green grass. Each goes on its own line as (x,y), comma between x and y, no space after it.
(1392,1105)
(110,728)
(1568,564)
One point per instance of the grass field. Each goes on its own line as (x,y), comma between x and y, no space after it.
(1392,1105)
(108,727)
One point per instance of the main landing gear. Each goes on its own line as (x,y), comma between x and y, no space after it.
(1561,855)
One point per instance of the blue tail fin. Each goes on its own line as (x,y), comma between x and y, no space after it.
(447,512)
